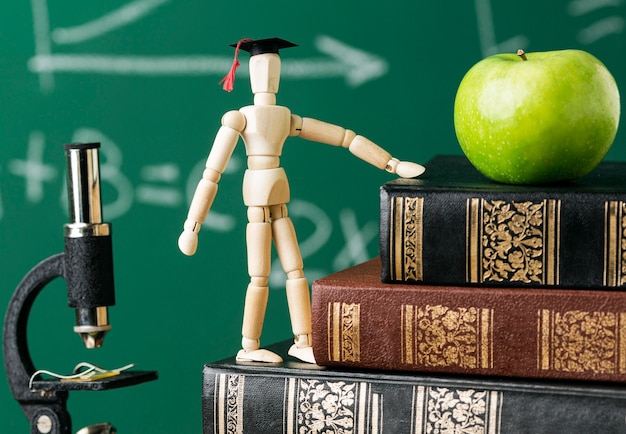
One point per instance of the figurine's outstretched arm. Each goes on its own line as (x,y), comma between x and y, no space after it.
(322,132)
(224,144)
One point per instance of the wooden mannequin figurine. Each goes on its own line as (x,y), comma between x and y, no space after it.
(264,127)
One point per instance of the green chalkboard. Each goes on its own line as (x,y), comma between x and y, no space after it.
(140,76)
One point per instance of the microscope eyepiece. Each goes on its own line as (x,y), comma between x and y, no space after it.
(88,246)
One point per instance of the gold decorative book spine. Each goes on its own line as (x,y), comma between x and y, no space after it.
(441,336)
(344,332)
(405,235)
(505,241)
(513,241)
(581,341)
(615,243)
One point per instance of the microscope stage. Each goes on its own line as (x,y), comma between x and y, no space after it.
(123,379)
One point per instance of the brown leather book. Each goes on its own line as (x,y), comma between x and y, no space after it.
(360,322)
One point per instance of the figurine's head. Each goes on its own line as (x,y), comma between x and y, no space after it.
(265,73)
(264,63)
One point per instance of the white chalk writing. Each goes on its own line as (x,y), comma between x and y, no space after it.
(340,61)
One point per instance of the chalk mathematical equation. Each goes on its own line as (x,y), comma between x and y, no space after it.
(339,60)
(590,32)
(161,185)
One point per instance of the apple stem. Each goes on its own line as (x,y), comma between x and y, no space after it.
(521,54)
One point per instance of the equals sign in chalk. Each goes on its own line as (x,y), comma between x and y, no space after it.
(155,190)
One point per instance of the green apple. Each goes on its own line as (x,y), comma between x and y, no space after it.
(530,118)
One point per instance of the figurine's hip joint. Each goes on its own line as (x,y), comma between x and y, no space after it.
(265,187)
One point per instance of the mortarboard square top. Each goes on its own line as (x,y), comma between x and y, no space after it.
(261,46)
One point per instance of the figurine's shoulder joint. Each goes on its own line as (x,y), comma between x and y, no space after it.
(234,119)
(296,125)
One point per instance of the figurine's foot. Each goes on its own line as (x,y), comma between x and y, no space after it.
(259,355)
(303,353)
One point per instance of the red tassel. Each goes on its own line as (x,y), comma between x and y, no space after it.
(229,79)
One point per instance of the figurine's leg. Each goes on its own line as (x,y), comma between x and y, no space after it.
(259,242)
(297,285)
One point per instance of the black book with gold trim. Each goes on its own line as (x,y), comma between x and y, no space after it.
(294,397)
(453,226)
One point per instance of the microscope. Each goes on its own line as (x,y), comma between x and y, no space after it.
(86,265)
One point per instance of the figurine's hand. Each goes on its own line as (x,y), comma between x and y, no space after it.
(404,169)
(188,240)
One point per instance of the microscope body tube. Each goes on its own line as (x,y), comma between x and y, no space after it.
(88,246)
(95,288)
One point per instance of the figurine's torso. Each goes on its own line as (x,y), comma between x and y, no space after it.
(267,128)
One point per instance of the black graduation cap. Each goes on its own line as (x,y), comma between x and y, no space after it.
(261,46)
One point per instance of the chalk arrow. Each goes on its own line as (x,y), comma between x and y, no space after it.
(356,66)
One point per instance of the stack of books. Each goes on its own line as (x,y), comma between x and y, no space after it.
(492,308)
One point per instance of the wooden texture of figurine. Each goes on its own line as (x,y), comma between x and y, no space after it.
(264,127)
